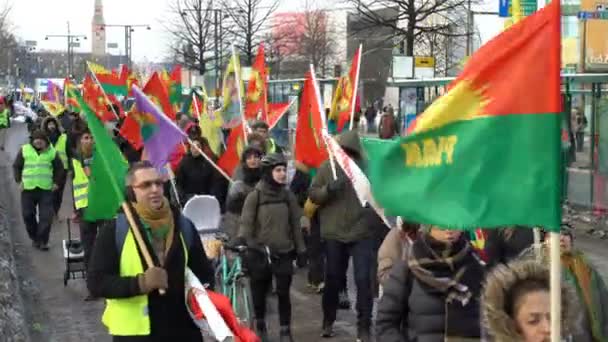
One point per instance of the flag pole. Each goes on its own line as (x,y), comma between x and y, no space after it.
(172,181)
(353,102)
(332,161)
(556,291)
(215,166)
(102,91)
(139,239)
(237,78)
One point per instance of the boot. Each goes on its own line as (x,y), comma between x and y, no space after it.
(285,334)
(363,335)
(328,330)
(261,331)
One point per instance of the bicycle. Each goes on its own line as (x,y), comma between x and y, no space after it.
(233,282)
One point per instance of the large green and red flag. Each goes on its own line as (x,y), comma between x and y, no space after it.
(487,153)
(173,82)
(129,78)
(256,99)
(157,91)
(109,81)
(94,96)
(108,169)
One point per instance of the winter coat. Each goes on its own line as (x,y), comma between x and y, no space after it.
(506,244)
(237,193)
(271,217)
(498,325)
(409,311)
(387,127)
(195,176)
(168,314)
(392,250)
(341,214)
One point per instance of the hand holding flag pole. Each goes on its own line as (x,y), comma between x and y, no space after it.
(332,161)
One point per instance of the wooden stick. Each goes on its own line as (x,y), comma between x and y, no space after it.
(353,102)
(556,288)
(193,145)
(139,240)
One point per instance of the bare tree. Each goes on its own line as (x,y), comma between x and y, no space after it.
(192,28)
(413,20)
(249,19)
(8,41)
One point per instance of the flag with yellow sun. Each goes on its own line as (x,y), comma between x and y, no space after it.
(487,153)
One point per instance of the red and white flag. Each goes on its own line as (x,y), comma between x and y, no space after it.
(360,182)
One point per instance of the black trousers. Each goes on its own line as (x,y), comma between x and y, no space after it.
(316,257)
(41,201)
(338,254)
(58,197)
(261,281)
(88,234)
(580,141)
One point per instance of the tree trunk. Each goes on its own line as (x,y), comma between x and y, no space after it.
(411,24)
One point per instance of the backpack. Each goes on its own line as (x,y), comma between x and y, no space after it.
(122,227)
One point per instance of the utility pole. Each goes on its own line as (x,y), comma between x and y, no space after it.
(71,40)
(129,29)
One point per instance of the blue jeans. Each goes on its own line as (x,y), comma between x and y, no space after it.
(338,254)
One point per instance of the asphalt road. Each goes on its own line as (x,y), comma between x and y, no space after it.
(58,314)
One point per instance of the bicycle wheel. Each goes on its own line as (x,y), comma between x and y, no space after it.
(243,303)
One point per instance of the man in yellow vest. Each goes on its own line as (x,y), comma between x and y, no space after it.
(52,128)
(135,311)
(38,170)
(5,122)
(260,127)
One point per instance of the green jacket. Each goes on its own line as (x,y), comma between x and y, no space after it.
(271,217)
(341,214)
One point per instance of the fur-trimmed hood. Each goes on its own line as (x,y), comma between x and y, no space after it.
(45,122)
(499,325)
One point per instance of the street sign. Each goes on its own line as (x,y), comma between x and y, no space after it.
(112,45)
(504,8)
(424,62)
(586,15)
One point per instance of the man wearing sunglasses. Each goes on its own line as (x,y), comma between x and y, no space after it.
(135,310)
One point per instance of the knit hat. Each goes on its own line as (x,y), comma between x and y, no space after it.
(39,134)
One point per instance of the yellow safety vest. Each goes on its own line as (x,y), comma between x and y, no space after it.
(4,118)
(37,168)
(130,316)
(80,185)
(271,146)
(60,147)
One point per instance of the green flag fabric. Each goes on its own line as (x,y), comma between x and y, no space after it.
(487,153)
(108,171)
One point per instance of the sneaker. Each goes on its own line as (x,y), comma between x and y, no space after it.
(344,301)
(320,288)
(328,330)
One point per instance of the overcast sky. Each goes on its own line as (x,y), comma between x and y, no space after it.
(34,19)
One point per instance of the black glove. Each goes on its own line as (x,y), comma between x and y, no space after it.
(301,260)
(336,185)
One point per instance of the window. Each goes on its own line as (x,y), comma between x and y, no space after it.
(570,27)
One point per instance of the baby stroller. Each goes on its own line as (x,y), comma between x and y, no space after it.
(73,253)
(204,211)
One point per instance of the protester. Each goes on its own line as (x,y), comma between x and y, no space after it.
(135,311)
(314,249)
(238,191)
(5,122)
(270,146)
(395,247)
(270,225)
(516,303)
(505,244)
(195,175)
(387,127)
(38,170)
(79,126)
(253,140)
(54,131)
(370,116)
(580,124)
(346,232)
(81,169)
(433,295)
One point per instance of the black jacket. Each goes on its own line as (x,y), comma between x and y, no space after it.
(506,244)
(58,171)
(169,318)
(195,176)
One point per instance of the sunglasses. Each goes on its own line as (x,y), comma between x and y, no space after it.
(148,184)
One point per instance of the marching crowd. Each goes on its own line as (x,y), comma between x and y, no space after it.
(432,283)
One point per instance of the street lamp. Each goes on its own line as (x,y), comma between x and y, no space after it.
(71,38)
(129,29)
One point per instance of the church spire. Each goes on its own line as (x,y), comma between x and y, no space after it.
(98,30)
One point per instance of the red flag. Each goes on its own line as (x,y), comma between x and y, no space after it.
(129,78)
(157,91)
(232,156)
(256,99)
(276,112)
(310,147)
(131,132)
(94,96)
(343,104)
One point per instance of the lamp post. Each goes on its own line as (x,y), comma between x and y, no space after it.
(72,40)
(129,29)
